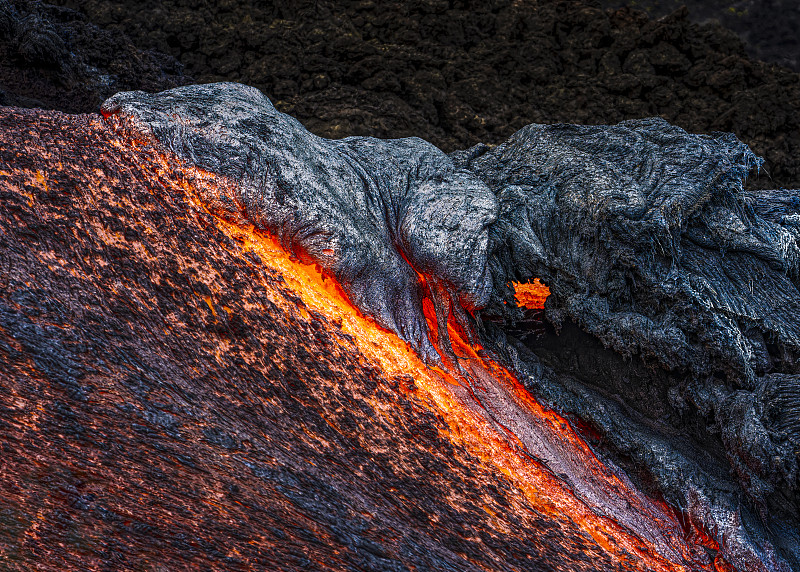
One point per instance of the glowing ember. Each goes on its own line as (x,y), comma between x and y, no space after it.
(531,295)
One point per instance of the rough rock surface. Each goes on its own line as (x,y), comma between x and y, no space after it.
(642,231)
(768,27)
(649,243)
(53,58)
(463,72)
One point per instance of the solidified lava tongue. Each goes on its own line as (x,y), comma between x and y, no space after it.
(375,213)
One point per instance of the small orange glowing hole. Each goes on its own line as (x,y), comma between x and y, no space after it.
(531,295)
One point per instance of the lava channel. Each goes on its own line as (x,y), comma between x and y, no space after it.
(490,413)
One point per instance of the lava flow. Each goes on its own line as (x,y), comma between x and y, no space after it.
(182,393)
(490,413)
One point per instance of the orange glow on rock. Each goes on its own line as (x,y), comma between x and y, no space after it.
(531,295)
(489,412)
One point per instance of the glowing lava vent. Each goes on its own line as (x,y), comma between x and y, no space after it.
(531,295)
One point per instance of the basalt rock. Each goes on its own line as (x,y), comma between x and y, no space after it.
(768,28)
(642,231)
(53,57)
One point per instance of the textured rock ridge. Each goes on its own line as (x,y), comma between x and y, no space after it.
(375,213)
(647,240)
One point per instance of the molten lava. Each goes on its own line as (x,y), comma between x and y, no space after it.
(494,417)
(531,295)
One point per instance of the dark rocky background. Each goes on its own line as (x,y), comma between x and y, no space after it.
(768,27)
(53,58)
(454,73)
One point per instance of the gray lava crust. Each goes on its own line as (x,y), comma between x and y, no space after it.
(375,213)
(643,232)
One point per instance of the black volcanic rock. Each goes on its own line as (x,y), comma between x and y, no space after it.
(768,27)
(53,58)
(464,72)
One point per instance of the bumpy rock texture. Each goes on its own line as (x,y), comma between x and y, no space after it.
(649,243)
(768,27)
(53,58)
(457,73)
(642,231)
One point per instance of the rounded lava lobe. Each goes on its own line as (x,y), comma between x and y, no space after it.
(444,230)
(372,212)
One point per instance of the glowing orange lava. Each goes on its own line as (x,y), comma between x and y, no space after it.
(490,413)
(531,295)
